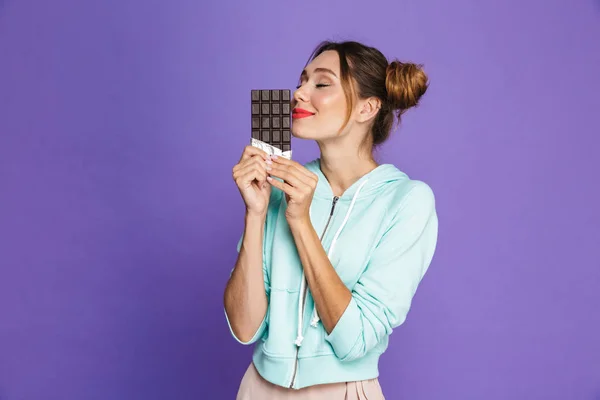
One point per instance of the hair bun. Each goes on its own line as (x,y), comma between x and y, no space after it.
(405,84)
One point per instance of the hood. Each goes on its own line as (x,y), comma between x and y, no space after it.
(376,180)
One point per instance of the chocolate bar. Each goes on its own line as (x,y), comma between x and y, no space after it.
(271,121)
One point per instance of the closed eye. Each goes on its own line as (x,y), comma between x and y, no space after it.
(319,85)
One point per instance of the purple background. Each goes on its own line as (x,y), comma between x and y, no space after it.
(120,122)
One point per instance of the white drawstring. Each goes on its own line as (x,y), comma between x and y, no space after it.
(315,316)
(299,337)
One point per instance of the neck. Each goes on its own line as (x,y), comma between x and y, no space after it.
(342,168)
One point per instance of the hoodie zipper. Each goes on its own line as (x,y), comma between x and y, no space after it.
(335,200)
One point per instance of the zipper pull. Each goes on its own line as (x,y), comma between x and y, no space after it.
(335,199)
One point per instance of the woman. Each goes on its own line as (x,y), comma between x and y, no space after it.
(333,250)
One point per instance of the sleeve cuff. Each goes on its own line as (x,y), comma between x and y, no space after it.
(259,332)
(346,332)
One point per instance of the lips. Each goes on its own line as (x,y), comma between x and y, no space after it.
(301,113)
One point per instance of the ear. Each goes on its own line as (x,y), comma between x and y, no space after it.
(368,108)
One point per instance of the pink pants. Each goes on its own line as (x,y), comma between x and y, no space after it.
(255,387)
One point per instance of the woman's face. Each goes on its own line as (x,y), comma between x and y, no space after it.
(319,104)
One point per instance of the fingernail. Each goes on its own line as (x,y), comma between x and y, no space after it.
(269,162)
(274,157)
(269,167)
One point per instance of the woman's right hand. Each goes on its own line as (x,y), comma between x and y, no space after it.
(250,176)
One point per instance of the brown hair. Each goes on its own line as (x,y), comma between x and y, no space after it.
(397,85)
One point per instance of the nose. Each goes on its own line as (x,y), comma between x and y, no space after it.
(300,95)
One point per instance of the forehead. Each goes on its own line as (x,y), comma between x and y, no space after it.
(328,59)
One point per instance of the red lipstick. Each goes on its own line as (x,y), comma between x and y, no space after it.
(301,113)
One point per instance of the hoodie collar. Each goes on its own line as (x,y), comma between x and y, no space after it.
(376,179)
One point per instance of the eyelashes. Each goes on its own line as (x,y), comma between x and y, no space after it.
(319,85)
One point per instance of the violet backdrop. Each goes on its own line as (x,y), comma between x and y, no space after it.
(120,122)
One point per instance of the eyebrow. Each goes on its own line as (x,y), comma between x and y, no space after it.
(325,70)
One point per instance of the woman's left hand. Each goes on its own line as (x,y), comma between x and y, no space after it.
(299,186)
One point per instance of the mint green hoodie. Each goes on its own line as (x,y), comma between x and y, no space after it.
(380,236)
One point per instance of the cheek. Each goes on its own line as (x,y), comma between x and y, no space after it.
(329,102)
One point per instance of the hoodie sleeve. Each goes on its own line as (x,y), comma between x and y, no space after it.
(383,294)
(272,212)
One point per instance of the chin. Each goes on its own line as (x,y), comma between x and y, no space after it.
(306,132)
(300,133)
(309,134)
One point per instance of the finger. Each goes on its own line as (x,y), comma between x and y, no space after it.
(252,160)
(289,175)
(289,190)
(260,171)
(301,168)
(245,179)
(250,151)
(288,172)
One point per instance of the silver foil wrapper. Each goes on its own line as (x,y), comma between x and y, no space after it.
(271,149)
